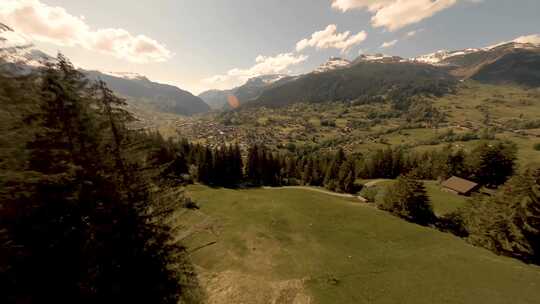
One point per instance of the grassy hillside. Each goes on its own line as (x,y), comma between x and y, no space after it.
(297,246)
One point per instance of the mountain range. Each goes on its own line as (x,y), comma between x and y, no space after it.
(367,77)
(19,57)
(375,75)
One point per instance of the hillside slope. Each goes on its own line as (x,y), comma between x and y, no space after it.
(298,246)
(161,97)
(508,63)
(18,57)
(521,67)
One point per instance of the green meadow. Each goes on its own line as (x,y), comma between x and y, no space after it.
(299,246)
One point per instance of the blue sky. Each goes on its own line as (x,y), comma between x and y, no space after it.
(200,44)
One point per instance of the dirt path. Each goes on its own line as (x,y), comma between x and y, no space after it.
(360,198)
(374,182)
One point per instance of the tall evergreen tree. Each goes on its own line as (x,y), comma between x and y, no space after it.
(253,165)
(493,163)
(508,222)
(77,229)
(407,198)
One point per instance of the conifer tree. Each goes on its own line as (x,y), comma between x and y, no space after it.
(407,198)
(493,163)
(307,174)
(205,165)
(332,171)
(237,164)
(508,222)
(253,165)
(78,227)
(346,177)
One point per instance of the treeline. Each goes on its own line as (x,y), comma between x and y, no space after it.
(78,223)
(489,164)
(225,166)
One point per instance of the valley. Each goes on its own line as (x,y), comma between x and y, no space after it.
(475,113)
(367,178)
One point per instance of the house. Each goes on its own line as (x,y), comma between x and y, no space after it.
(460,186)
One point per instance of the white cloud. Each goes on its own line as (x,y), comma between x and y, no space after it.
(534,39)
(413,33)
(396,14)
(9,39)
(389,44)
(263,66)
(55,25)
(329,38)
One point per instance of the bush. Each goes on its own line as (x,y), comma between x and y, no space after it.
(369,193)
(453,223)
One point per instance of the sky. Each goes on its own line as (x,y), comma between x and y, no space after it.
(218,44)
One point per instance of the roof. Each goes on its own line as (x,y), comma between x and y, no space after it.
(459,184)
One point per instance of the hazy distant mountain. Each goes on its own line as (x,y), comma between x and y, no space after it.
(160,97)
(218,99)
(19,57)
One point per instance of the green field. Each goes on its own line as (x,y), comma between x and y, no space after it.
(443,202)
(298,246)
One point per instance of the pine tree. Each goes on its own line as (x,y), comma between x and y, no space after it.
(238,166)
(493,163)
(79,228)
(307,174)
(407,198)
(331,175)
(253,165)
(205,165)
(346,177)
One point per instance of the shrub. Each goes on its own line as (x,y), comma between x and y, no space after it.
(369,193)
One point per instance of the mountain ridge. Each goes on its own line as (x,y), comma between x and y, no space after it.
(19,57)
(339,79)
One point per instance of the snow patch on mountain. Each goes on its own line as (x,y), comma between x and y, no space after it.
(439,56)
(333,63)
(18,54)
(126,75)
(379,58)
(265,79)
